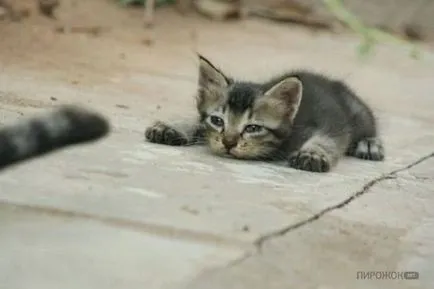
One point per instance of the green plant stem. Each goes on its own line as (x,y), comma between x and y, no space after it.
(370,36)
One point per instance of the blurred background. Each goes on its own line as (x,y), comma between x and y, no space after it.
(124,213)
(146,49)
(78,40)
(404,19)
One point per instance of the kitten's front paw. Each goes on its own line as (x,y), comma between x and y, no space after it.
(162,133)
(311,161)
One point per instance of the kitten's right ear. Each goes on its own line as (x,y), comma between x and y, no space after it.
(287,92)
(209,75)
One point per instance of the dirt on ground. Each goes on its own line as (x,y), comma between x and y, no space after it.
(99,43)
(94,44)
(84,42)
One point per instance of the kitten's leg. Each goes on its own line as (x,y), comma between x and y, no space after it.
(370,148)
(181,133)
(320,152)
(365,143)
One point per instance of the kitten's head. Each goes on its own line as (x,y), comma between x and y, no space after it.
(242,119)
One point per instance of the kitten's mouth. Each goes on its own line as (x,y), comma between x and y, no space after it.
(228,155)
(233,155)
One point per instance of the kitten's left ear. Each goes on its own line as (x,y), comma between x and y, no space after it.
(289,91)
(210,75)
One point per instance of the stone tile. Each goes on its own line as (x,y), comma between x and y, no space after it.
(42,250)
(389,229)
(123,177)
(205,194)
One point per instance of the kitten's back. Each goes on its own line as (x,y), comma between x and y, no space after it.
(330,108)
(319,104)
(329,101)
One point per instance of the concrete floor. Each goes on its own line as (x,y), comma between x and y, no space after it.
(127,214)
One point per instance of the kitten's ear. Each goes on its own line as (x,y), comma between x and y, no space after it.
(289,91)
(209,75)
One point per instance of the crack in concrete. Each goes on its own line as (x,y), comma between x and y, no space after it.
(259,243)
(391,175)
(183,234)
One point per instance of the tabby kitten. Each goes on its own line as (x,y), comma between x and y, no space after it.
(65,126)
(305,118)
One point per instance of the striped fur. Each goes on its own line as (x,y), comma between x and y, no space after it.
(308,119)
(64,126)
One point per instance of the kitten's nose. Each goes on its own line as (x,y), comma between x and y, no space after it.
(229,142)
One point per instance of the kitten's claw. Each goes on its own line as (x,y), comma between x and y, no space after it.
(162,133)
(367,149)
(309,161)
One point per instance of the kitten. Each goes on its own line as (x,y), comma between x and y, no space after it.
(65,126)
(305,118)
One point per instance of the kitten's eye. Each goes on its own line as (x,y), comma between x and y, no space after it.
(253,128)
(217,121)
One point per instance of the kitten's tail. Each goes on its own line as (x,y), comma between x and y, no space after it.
(66,125)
